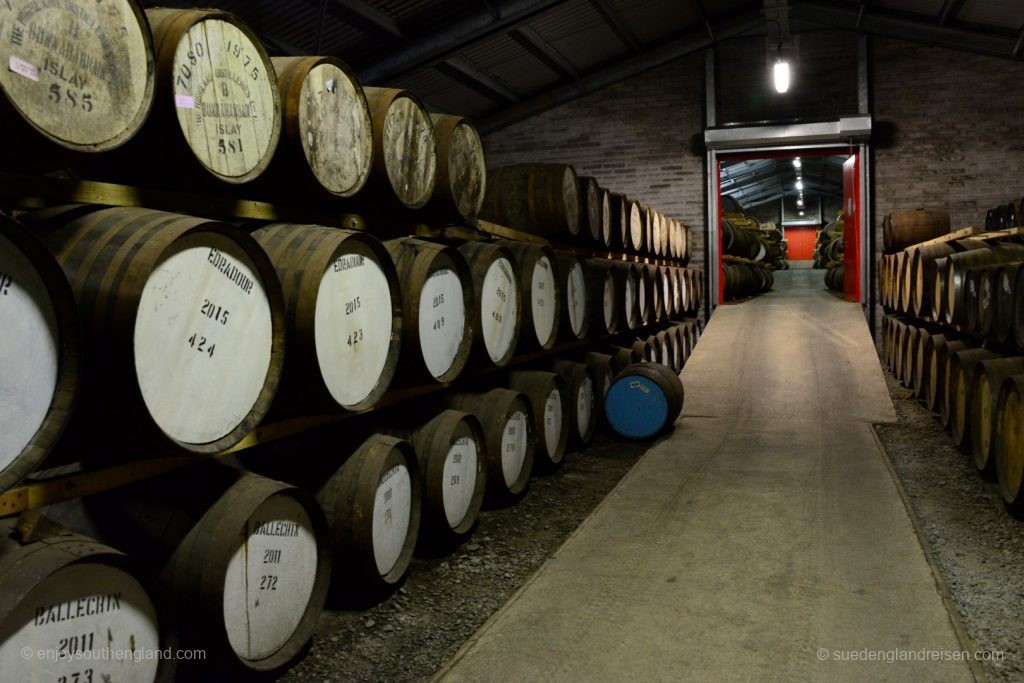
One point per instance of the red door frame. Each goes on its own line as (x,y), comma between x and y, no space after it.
(851,280)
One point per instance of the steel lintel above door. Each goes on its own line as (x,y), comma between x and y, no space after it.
(845,130)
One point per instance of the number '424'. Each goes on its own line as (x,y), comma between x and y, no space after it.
(201,344)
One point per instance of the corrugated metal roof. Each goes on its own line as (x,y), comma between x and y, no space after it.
(1006,13)
(510,63)
(577,31)
(653,20)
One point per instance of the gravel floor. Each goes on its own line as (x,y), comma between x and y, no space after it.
(446,600)
(977,545)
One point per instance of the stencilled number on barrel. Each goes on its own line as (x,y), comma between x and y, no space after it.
(271,556)
(355,337)
(268,582)
(5,284)
(439,299)
(352,306)
(247,60)
(439,323)
(201,344)
(229,145)
(387,511)
(214,312)
(76,643)
(84,676)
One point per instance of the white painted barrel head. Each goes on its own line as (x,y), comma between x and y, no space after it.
(666,287)
(459,480)
(684,291)
(334,124)
(630,299)
(270,578)
(609,301)
(410,151)
(467,169)
(636,228)
(576,298)
(77,70)
(584,403)
(642,293)
(442,320)
(353,326)
(203,338)
(392,510)
(29,352)
(226,101)
(498,308)
(87,612)
(543,303)
(514,443)
(552,421)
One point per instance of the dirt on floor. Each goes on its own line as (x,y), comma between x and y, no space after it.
(446,600)
(977,545)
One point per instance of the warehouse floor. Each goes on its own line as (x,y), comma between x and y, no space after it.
(764,537)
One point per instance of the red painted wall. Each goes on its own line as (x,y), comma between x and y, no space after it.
(800,242)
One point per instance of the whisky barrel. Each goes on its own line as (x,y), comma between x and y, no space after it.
(972,299)
(644,400)
(649,232)
(540,287)
(461,169)
(984,391)
(1005,308)
(1009,448)
(184,324)
(437,309)
(898,274)
(938,378)
(603,297)
(940,296)
(655,308)
(580,385)
(958,265)
(343,302)
(52,576)
(623,357)
(667,301)
(677,283)
(546,394)
(451,456)
(41,348)
(509,440)
(637,219)
(78,74)
(923,273)
(1016,305)
(606,219)
(601,365)
(625,277)
(591,217)
(986,312)
(224,90)
(921,374)
(542,199)
(908,348)
(405,156)
(575,322)
(326,135)
(963,365)
(497,313)
(620,206)
(373,506)
(901,229)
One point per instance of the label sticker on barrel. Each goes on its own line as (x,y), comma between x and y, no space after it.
(353,327)
(82,615)
(203,338)
(543,289)
(459,480)
(29,352)
(630,300)
(584,404)
(235,120)
(334,125)
(576,299)
(442,322)
(609,302)
(410,151)
(498,309)
(77,69)
(270,577)
(392,509)
(552,421)
(514,442)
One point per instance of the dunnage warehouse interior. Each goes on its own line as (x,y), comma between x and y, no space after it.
(347,340)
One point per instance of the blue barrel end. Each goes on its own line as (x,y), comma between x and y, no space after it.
(636,407)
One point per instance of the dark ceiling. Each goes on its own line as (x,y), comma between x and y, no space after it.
(757,181)
(504,60)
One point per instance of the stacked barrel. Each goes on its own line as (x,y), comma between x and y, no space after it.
(752,252)
(448,365)
(954,335)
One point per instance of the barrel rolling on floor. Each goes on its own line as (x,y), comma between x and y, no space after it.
(644,400)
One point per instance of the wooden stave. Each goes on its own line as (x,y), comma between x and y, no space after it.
(597,273)
(82,237)
(169,26)
(536,386)
(291,156)
(940,296)
(628,310)
(415,260)
(380,101)
(1007,448)
(566,261)
(972,294)
(69,366)
(303,384)
(493,409)
(591,210)
(542,199)
(987,302)
(938,381)
(923,274)
(574,376)
(1002,325)
(985,386)
(526,256)
(962,368)
(480,256)
(443,204)
(912,228)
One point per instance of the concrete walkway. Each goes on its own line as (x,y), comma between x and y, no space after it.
(763,539)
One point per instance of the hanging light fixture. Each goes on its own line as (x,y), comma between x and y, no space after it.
(799,202)
(781,75)
(797,163)
(799,184)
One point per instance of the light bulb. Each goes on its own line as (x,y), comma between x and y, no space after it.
(797,163)
(799,184)
(781,73)
(799,202)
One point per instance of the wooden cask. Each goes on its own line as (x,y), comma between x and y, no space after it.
(986,311)
(327,136)
(623,357)
(67,592)
(41,348)
(963,366)
(437,309)
(667,299)
(78,74)
(983,416)
(958,265)
(921,362)
(497,314)
(404,148)
(652,288)
(591,217)
(461,169)
(541,290)
(451,456)
(620,206)
(216,78)
(923,273)
(603,297)
(908,347)
(343,302)
(580,383)
(547,395)
(576,322)
(625,277)
(1009,441)
(1017,305)
(541,199)
(938,379)
(1005,303)
(601,365)
(606,220)
(901,229)
(940,296)
(637,226)
(645,400)
(184,324)
(510,440)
